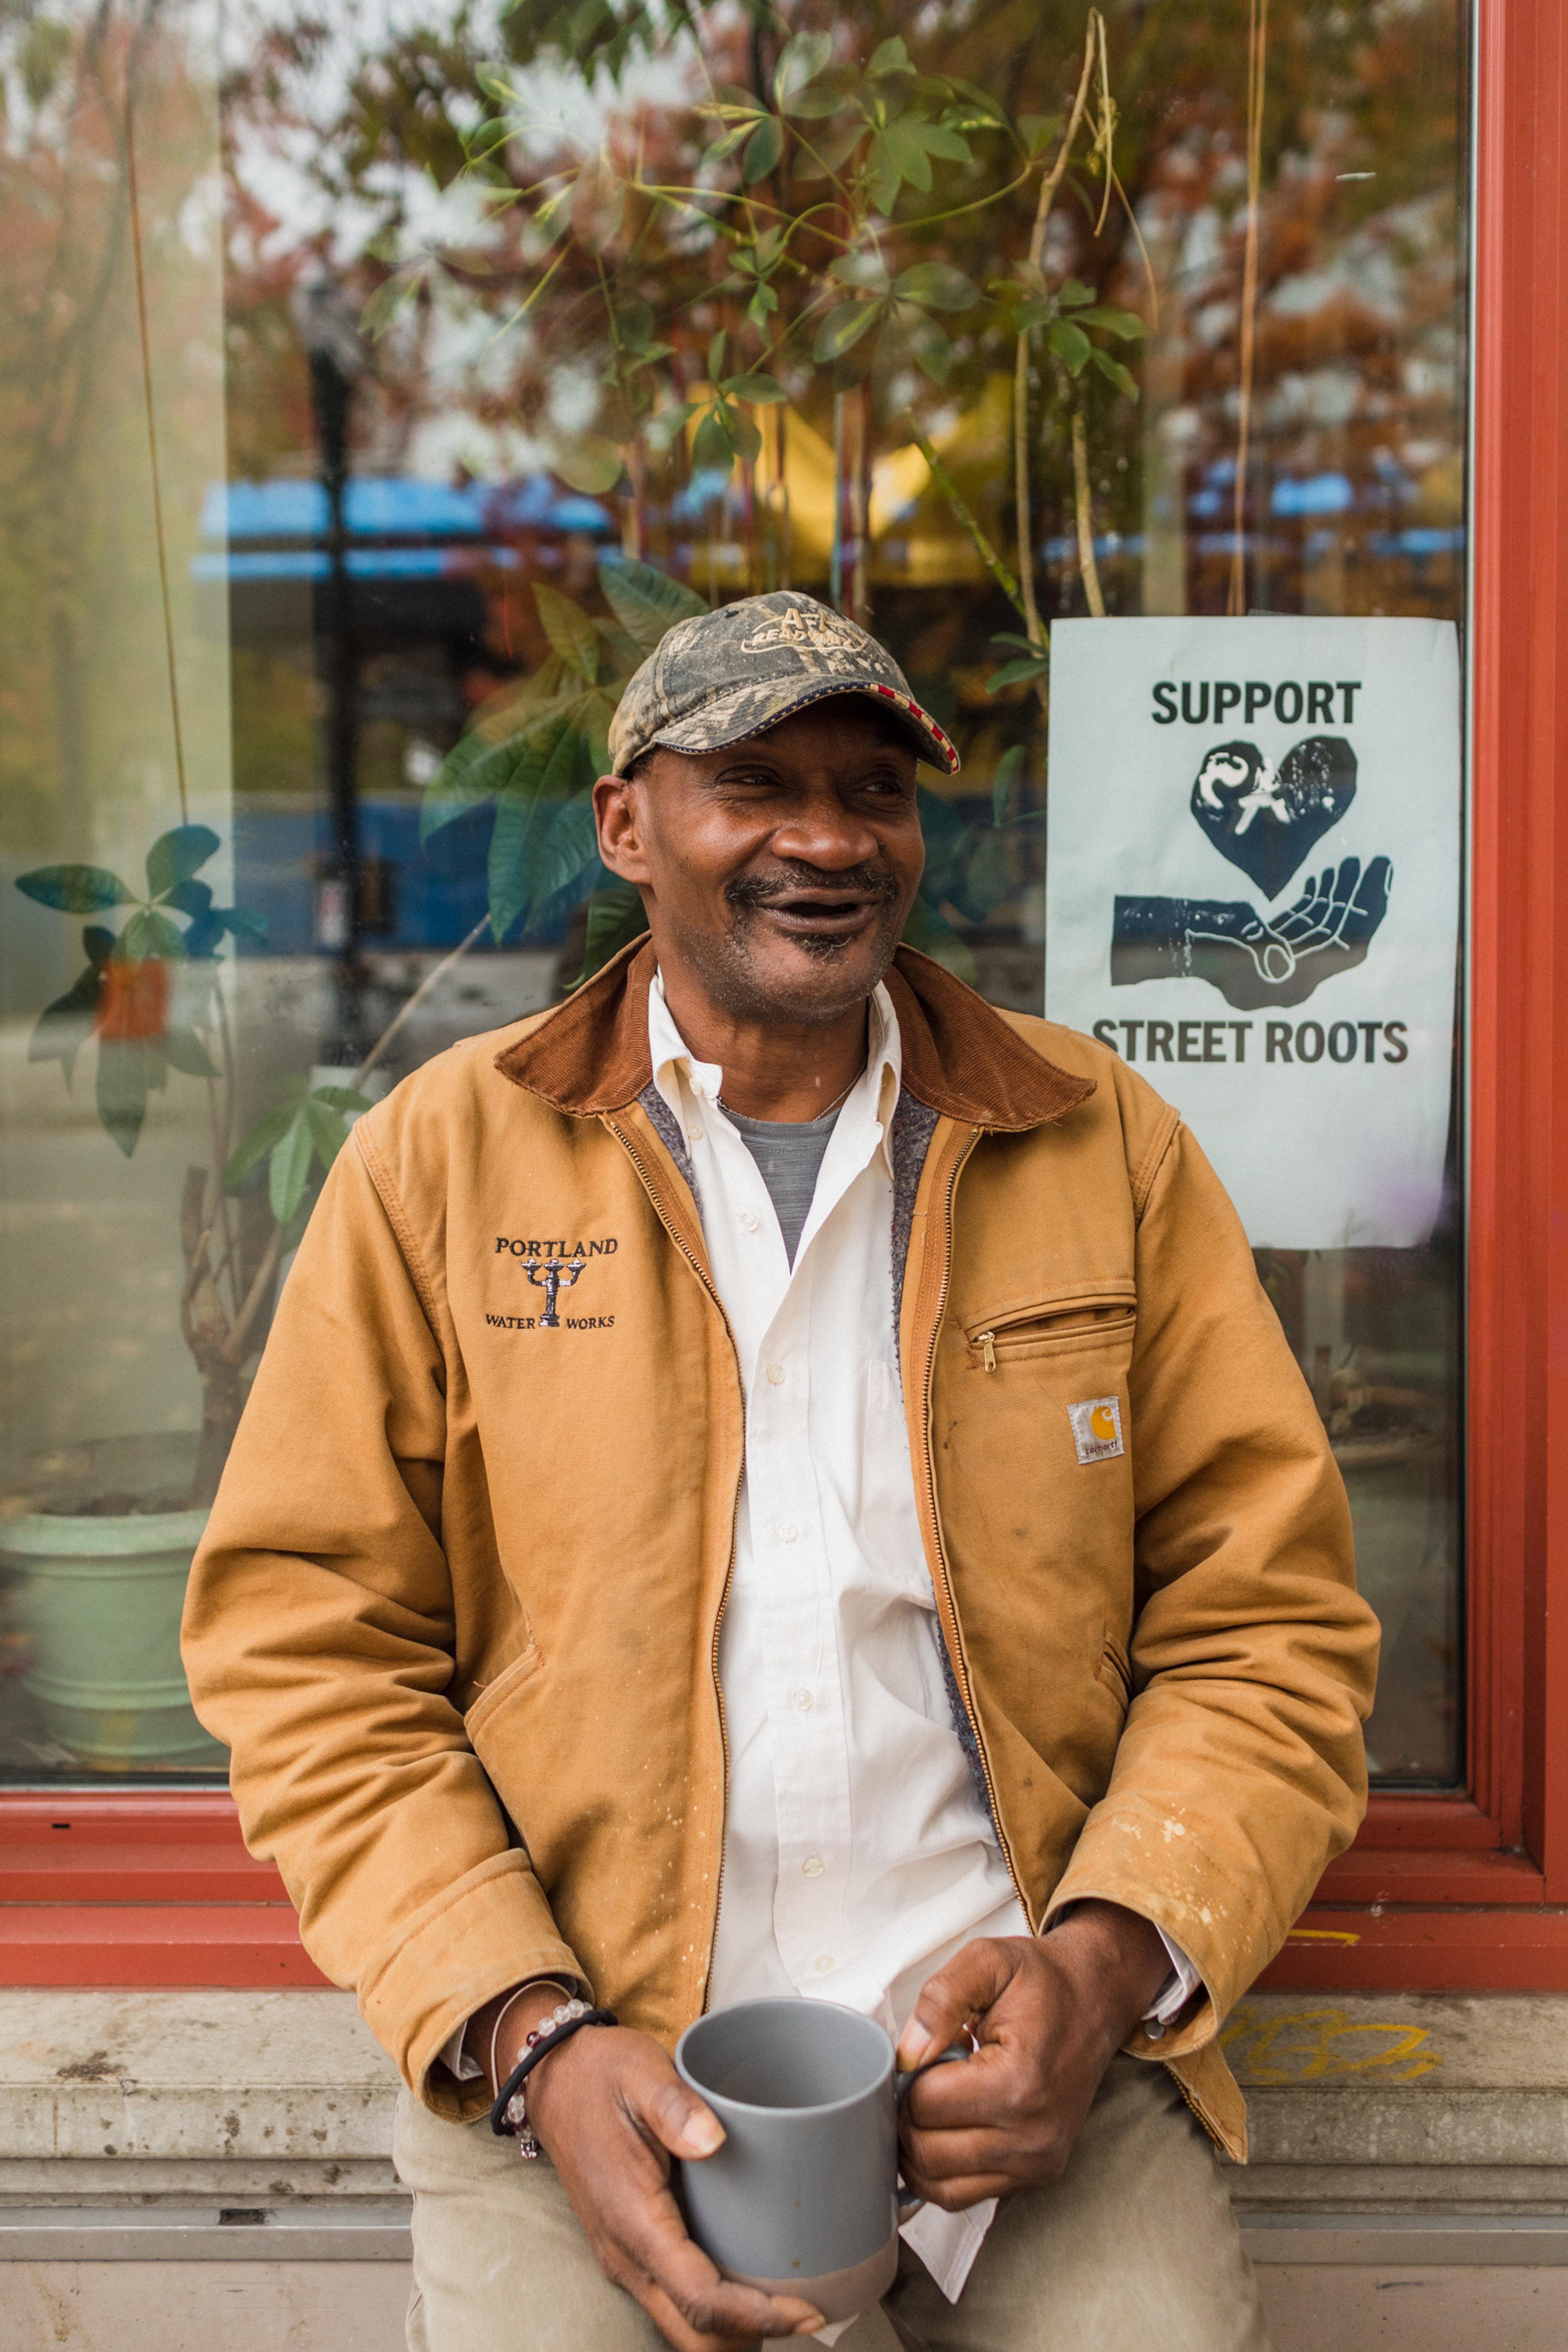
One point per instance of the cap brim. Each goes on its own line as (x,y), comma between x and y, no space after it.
(747,711)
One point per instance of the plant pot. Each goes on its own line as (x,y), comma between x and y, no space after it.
(100,1601)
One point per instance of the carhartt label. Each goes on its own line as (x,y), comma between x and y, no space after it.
(1097,1428)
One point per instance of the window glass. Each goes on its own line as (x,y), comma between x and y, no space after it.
(382,383)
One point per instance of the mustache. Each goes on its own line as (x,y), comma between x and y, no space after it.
(752,890)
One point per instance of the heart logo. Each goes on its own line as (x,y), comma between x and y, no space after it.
(1269,821)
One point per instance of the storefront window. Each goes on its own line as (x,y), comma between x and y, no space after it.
(379,386)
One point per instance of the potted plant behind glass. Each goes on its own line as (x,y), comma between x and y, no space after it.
(105,1554)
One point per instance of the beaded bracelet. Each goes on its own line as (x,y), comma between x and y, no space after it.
(509,2113)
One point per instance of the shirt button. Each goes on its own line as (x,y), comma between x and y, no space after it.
(825,1966)
(789,1531)
(752,1223)
(695,1134)
(814,1867)
(776,1374)
(801,1700)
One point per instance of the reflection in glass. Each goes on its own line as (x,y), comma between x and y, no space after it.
(528,333)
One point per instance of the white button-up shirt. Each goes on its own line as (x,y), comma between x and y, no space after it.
(859,1854)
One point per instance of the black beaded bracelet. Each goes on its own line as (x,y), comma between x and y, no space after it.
(530,2059)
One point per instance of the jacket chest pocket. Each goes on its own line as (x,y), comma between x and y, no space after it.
(1090,1323)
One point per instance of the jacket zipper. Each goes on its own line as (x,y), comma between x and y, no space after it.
(988,1349)
(960,1665)
(641,1167)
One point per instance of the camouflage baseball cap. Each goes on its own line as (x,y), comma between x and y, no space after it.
(722,675)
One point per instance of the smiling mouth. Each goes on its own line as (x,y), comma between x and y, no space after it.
(822,915)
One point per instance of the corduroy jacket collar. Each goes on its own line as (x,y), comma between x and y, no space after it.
(960,1058)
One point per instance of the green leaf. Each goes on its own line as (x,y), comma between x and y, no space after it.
(176,855)
(1074,294)
(988,879)
(842,328)
(1012,673)
(288,1169)
(801,60)
(725,147)
(1115,373)
(1029,315)
(570,850)
(188,898)
(884,173)
(616,918)
(124,1073)
(1127,324)
(759,389)
(816,104)
(927,929)
(1070,345)
(587,462)
(744,440)
(185,1050)
(890,57)
(765,147)
(867,270)
(937,139)
(712,447)
(933,349)
(257,1143)
(555,764)
(1006,778)
(716,352)
(760,307)
(149,934)
(341,1098)
(646,601)
(75,890)
(328,1132)
(907,156)
(936,286)
(64,1027)
(667,425)
(570,630)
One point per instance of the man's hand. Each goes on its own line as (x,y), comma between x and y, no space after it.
(1050,2013)
(610,2111)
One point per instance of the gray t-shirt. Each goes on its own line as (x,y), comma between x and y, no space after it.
(788,1154)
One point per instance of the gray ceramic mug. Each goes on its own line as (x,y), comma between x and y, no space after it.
(803,2198)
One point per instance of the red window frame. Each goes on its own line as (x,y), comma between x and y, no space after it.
(1439,1893)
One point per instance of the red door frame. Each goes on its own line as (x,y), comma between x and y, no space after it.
(1439,1893)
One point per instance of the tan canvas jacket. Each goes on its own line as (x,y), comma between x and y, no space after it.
(456,1613)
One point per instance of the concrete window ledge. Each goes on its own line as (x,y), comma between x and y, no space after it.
(1408,2187)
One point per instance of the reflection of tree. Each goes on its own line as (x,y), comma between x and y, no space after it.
(665,253)
(72,415)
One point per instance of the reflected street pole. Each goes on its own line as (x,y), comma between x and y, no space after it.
(332,346)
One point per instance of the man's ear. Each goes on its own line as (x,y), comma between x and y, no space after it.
(617,817)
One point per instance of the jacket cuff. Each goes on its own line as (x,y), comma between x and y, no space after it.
(485,1935)
(1101,1869)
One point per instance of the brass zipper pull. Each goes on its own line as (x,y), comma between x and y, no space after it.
(988,1349)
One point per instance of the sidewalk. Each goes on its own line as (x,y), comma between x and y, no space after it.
(185,2170)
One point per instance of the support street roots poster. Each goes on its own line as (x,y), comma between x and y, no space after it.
(1253,895)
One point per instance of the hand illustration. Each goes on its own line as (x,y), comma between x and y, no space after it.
(1251,960)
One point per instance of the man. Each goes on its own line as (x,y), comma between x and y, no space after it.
(777,1478)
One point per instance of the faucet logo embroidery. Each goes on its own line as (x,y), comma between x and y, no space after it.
(548,1274)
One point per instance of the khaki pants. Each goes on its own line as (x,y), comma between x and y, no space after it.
(1136,2245)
